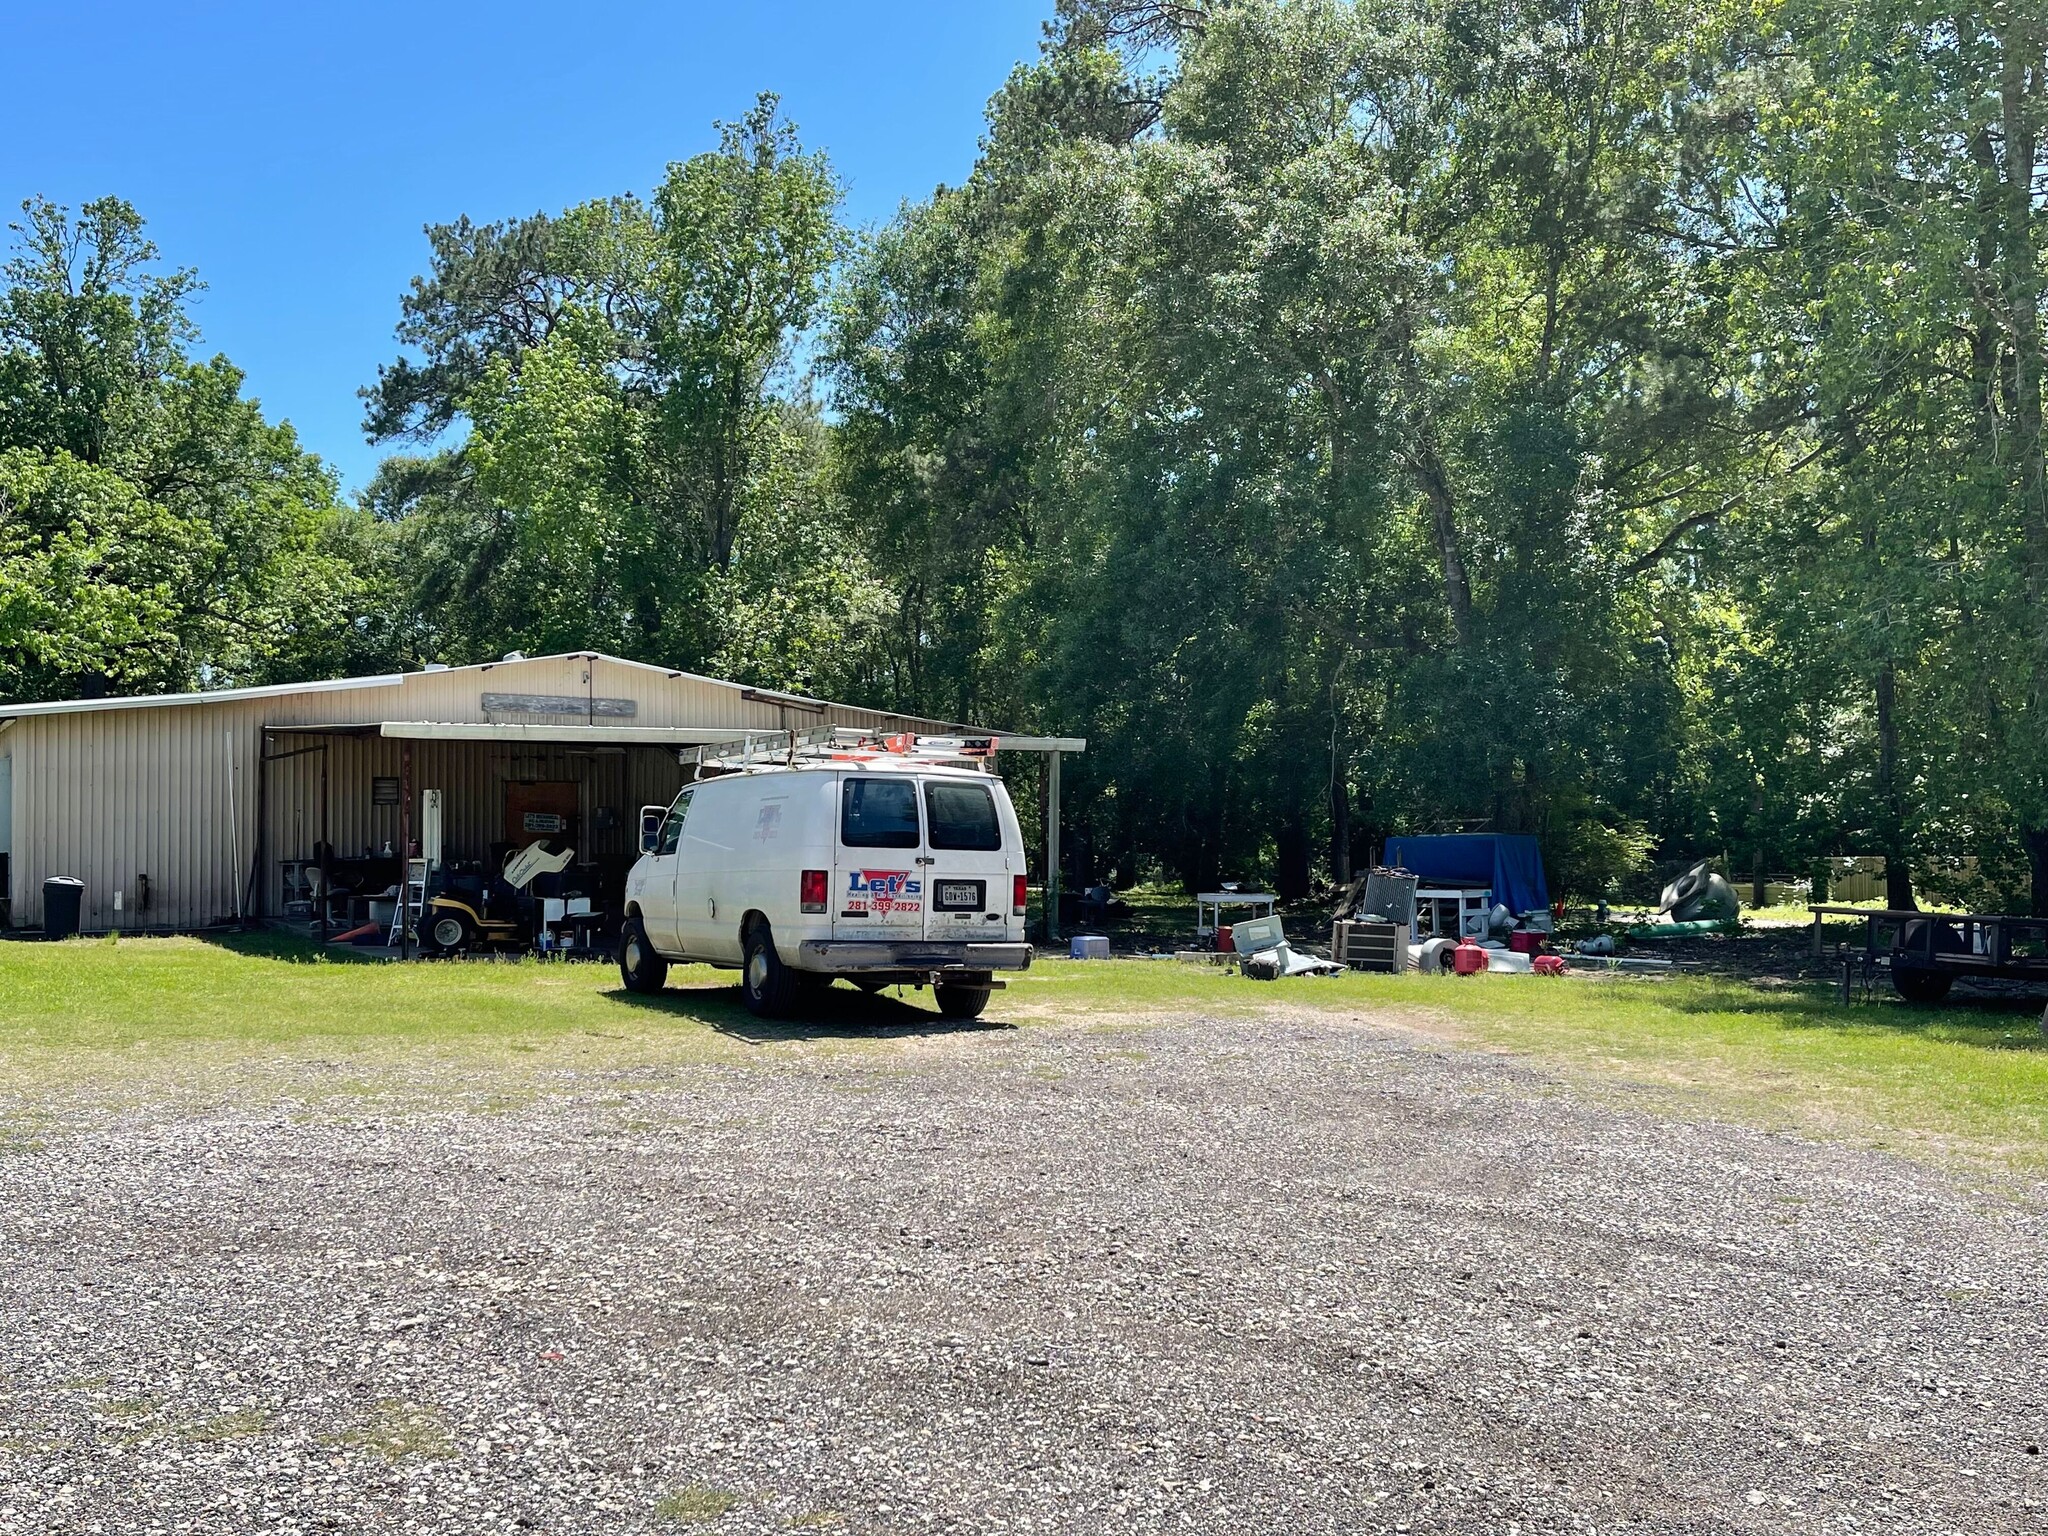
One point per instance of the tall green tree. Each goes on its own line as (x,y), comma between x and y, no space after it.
(640,469)
(1885,180)
(156,532)
(1346,401)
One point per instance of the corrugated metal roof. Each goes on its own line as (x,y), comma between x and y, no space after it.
(213,696)
(389,680)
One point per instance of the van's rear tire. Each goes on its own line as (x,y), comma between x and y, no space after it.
(640,967)
(960,1002)
(769,985)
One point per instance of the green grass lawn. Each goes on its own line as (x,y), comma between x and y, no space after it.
(146,1017)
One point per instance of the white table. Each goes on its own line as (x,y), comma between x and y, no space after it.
(1209,907)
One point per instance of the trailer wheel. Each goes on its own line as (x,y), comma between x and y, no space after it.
(769,985)
(1917,984)
(1922,983)
(960,1002)
(640,967)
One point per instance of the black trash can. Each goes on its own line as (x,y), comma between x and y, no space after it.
(62,898)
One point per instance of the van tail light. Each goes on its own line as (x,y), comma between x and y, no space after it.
(1017,897)
(812,891)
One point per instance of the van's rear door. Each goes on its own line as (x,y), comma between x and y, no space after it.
(878,889)
(968,878)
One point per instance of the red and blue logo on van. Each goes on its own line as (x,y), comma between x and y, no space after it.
(879,892)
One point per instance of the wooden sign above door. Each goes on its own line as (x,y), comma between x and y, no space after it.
(559,704)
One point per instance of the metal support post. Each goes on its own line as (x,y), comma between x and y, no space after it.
(326,854)
(405,851)
(1052,848)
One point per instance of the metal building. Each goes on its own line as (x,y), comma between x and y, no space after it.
(183,811)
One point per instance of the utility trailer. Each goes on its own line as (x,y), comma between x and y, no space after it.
(1925,952)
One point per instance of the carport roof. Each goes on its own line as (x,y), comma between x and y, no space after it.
(394,680)
(589,735)
(612,735)
(672,736)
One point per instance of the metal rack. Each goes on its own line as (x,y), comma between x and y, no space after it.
(786,749)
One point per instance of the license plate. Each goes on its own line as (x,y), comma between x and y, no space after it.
(959,895)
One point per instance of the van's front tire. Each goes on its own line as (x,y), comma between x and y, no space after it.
(769,985)
(640,967)
(960,1002)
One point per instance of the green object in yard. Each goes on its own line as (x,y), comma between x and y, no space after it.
(1686,930)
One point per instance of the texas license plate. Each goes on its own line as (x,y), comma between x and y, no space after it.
(959,896)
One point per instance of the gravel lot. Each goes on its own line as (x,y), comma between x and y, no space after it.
(1297,1275)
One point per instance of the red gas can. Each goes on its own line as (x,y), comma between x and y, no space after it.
(1468,959)
(1548,965)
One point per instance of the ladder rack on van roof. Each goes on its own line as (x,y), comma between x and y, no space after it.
(840,743)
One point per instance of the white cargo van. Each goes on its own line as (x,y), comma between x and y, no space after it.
(886,869)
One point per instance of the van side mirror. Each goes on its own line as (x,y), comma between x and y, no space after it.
(651,818)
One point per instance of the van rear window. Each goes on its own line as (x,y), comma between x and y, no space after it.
(963,818)
(878,813)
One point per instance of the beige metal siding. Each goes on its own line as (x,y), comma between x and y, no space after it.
(124,799)
(114,795)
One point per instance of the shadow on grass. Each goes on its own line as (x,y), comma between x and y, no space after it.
(824,1013)
(268,944)
(1999,1021)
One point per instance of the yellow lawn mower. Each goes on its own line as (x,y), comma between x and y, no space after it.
(503,914)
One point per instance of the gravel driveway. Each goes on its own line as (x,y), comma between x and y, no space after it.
(1292,1275)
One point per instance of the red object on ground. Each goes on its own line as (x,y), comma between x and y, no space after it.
(1224,943)
(1468,959)
(1523,942)
(1548,965)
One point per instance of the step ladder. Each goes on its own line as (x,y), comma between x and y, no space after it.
(411,904)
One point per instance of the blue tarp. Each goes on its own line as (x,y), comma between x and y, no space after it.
(1509,862)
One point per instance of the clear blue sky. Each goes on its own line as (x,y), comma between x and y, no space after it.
(291,152)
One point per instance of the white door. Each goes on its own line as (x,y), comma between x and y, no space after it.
(967,882)
(658,893)
(707,923)
(879,861)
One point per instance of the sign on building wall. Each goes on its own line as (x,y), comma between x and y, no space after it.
(558,704)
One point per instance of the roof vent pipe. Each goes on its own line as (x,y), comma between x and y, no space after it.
(435,666)
(514,656)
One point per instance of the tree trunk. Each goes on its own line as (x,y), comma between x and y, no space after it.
(1293,882)
(2036,839)
(1340,833)
(1340,804)
(1436,489)
(1898,869)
